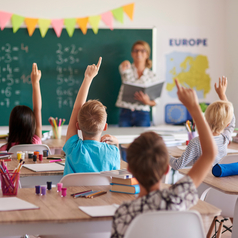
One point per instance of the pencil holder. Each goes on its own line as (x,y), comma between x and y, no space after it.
(192,135)
(10,182)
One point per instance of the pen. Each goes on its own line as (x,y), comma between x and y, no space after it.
(81,192)
(96,194)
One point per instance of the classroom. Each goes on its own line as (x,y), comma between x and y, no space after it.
(189,39)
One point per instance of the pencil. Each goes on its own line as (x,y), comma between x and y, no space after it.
(96,194)
(81,192)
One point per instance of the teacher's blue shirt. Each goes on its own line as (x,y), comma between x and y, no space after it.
(89,156)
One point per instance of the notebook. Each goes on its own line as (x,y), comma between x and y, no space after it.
(14,203)
(44,167)
(99,211)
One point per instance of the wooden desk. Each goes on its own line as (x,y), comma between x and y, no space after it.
(62,216)
(227,185)
(30,178)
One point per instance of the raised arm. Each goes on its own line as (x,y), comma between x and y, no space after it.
(36,98)
(221,89)
(209,150)
(90,73)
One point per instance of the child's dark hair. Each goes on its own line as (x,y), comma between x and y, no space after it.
(148,159)
(22,126)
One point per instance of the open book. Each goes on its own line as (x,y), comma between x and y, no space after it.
(152,89)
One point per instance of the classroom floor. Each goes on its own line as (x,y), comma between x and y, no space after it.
(207,222)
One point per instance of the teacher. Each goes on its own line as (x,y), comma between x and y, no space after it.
(138,113)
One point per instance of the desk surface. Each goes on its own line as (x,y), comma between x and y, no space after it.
(26,172)
(54,208)
(227,185)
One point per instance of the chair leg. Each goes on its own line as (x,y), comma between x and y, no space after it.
(220,229)
(209,233)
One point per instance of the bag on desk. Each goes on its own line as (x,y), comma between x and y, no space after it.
(223,170)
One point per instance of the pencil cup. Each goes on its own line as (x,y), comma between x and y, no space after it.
(57,132)
(192,135)
(10,182)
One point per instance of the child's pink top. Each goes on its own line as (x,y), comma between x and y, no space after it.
(35,140)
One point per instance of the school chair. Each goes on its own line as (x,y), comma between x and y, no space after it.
(235,222)
(85,179)
(225,202)
(29,147)
(166,224)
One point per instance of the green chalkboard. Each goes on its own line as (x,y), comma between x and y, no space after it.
(62,62)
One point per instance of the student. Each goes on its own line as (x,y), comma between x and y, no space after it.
(24,124)
(148,161)
(221,119)
(89,154)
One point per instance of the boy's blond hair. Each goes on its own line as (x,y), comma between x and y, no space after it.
(219,115)
(92,118)
(148,159)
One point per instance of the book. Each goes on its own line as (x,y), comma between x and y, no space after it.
(4,155)
(121,188)
(130,181)
(152,89)
(120,173)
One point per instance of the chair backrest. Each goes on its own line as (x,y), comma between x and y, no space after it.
(29,147)
(85,179)
(166,224)
(235,222)
(229,159)
(226,202)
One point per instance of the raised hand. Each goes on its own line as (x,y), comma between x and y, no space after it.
(92,70)
(221,88)
(125,65)
(35,73)
(109,139)
(187,96)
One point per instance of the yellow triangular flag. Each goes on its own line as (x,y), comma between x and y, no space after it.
(44,26)
(83,22)
(129,10)
(94,22)
(31,25)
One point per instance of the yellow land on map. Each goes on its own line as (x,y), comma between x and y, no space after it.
(196,77)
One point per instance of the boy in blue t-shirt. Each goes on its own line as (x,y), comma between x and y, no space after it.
(94,153)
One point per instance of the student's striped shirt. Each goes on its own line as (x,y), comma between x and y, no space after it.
(194,151)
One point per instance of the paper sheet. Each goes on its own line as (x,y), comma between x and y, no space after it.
(182,147)
(231,151)
(44,167)
(14,203)
(100,211)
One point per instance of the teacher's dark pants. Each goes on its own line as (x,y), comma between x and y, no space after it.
(130,118)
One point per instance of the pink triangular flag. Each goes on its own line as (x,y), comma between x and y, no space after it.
(4,18)
(107,18)
(57,24)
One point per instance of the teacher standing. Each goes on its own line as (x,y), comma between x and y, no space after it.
(138,113)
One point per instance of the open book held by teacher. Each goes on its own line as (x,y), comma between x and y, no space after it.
(152,89)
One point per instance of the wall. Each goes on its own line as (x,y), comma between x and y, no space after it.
(231,58)
(200,17)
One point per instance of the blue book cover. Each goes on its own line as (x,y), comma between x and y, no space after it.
(121,188)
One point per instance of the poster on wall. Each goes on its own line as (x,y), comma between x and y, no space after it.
(193,56)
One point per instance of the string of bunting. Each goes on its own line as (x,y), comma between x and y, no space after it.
(69,23)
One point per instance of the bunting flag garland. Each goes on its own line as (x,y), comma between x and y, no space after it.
(44,26)
(118,14)
(16,22)
(94,22)
(83,22)
(4,18)
(129,10)
(69,23)
(57,24)
(107,18)
(31,25)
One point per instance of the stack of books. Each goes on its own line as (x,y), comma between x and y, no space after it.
(122,181)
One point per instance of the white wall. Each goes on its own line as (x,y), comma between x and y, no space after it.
(195,15)
(231,49)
